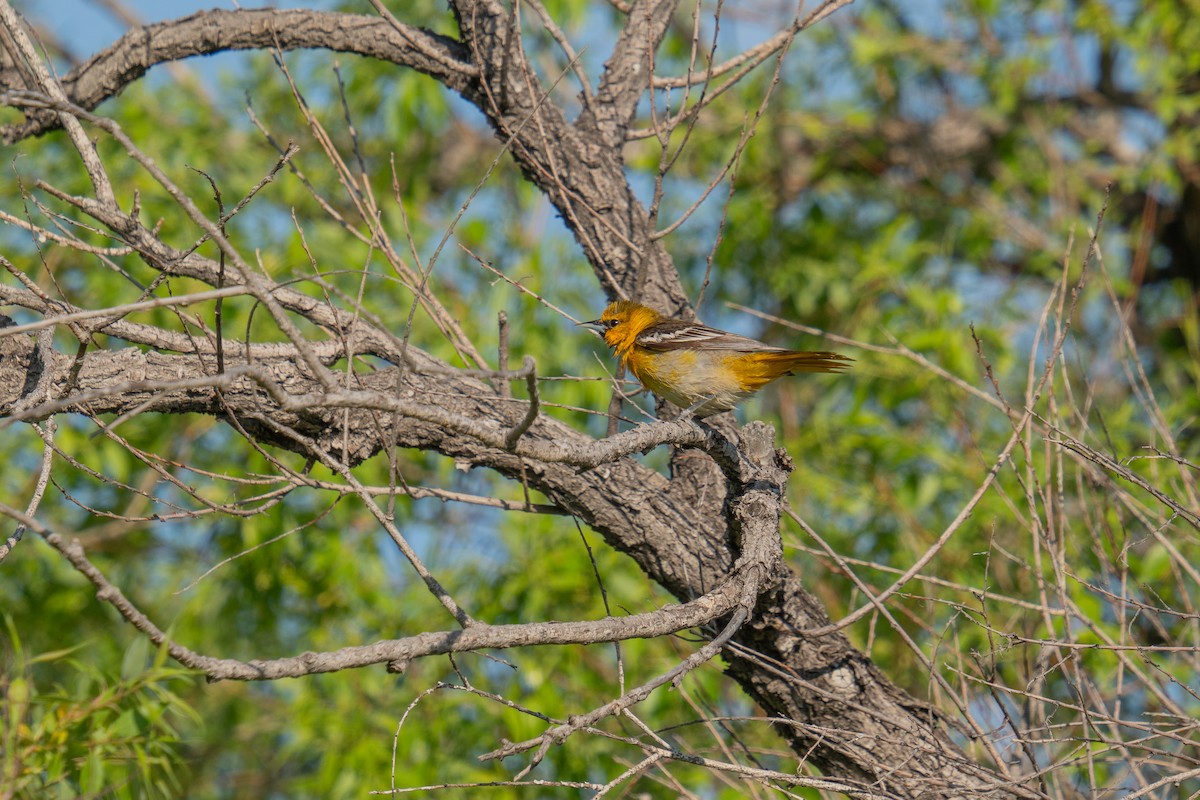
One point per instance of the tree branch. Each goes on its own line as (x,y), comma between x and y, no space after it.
(107,73)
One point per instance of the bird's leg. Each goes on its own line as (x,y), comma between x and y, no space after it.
(688,415)
(690,411)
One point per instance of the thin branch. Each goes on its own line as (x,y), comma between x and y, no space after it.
(667,620)
(519,430)
(50,86)
(129,308)
(39,488)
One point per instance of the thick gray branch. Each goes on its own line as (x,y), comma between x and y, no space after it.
(108,72)
(578,166)
(628,72)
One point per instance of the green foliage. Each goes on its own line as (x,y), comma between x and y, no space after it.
(72,729)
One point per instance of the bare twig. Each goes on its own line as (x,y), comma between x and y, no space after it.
(529,372)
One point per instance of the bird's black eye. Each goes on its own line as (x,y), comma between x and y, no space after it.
(610,323)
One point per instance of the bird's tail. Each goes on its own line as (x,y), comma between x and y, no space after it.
(793,361)
(759,369)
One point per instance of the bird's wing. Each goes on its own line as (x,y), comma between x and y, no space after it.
(673,334)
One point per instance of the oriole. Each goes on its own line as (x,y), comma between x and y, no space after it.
(700,369)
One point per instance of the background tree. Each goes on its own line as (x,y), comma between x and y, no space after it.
(254,345)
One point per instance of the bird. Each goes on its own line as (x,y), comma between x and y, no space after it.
(702,370)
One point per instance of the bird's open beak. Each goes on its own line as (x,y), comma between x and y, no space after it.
(595,326)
